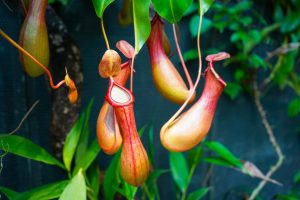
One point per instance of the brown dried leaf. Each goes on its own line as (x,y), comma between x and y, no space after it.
(250,169)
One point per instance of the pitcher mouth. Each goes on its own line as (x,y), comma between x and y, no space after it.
(216,75)
(117,95)
(216,57)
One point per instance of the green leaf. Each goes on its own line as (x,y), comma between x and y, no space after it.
(25,148)
(246,21)
(171,10)
(71,142)
(217,161)
(257,61)
(76,189)
(278,13)
(100,6)
(64,2)
(198,194)
(90,155)
(232,90)
(45,192)
(290,22)
(239,74)
(93,174)
(10,194)
(127,190)
(179,170)
(191,54)
(150,145)
(193,8)
(285,65)
(223,152)
(151,183)
(142,130)
(112,178)
(297,177)
(286,197)
(205,5)
(84,137)
(195,156)
(193,25)
(141,23)
(294,107)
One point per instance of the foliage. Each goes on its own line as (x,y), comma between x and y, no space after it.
(246,37)
(249,32)
(78,181)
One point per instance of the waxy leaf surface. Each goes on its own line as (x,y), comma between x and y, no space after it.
(141,23)
(25,148)
(171,10)
(100,6)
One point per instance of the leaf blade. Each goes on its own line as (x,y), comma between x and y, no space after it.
(25,148)
(48,191)
(71,142)
(76,189)
(171,10)
(179,170)
(100,6)
(112,178)
(222,151)
(198,194)
(141,23)
(90,156)
(10,194)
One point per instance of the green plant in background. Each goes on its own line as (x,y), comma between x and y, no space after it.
(254,72)
(266,46)
(79,154)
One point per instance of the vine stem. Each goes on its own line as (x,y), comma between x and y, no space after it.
(191,85)
(131,72)
(10,40)
(196,83)
(272,139)
(192,170)
(24,7)
(24,118)
(104,33)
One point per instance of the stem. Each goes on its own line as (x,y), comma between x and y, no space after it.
(145,188)
(191,172)
(10,40)
(131,73)
(24,7)
(24,118)
(196,83)
(265,32)
(272,139)
(181,58)
(104,33)
(294,82)
(272,74)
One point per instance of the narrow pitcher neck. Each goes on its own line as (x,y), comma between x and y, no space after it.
(213,88)
(155,41)
(125,115)
(37,10)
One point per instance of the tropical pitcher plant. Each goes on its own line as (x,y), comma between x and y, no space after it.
(116,127)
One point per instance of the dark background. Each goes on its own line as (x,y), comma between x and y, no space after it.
(236,125)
